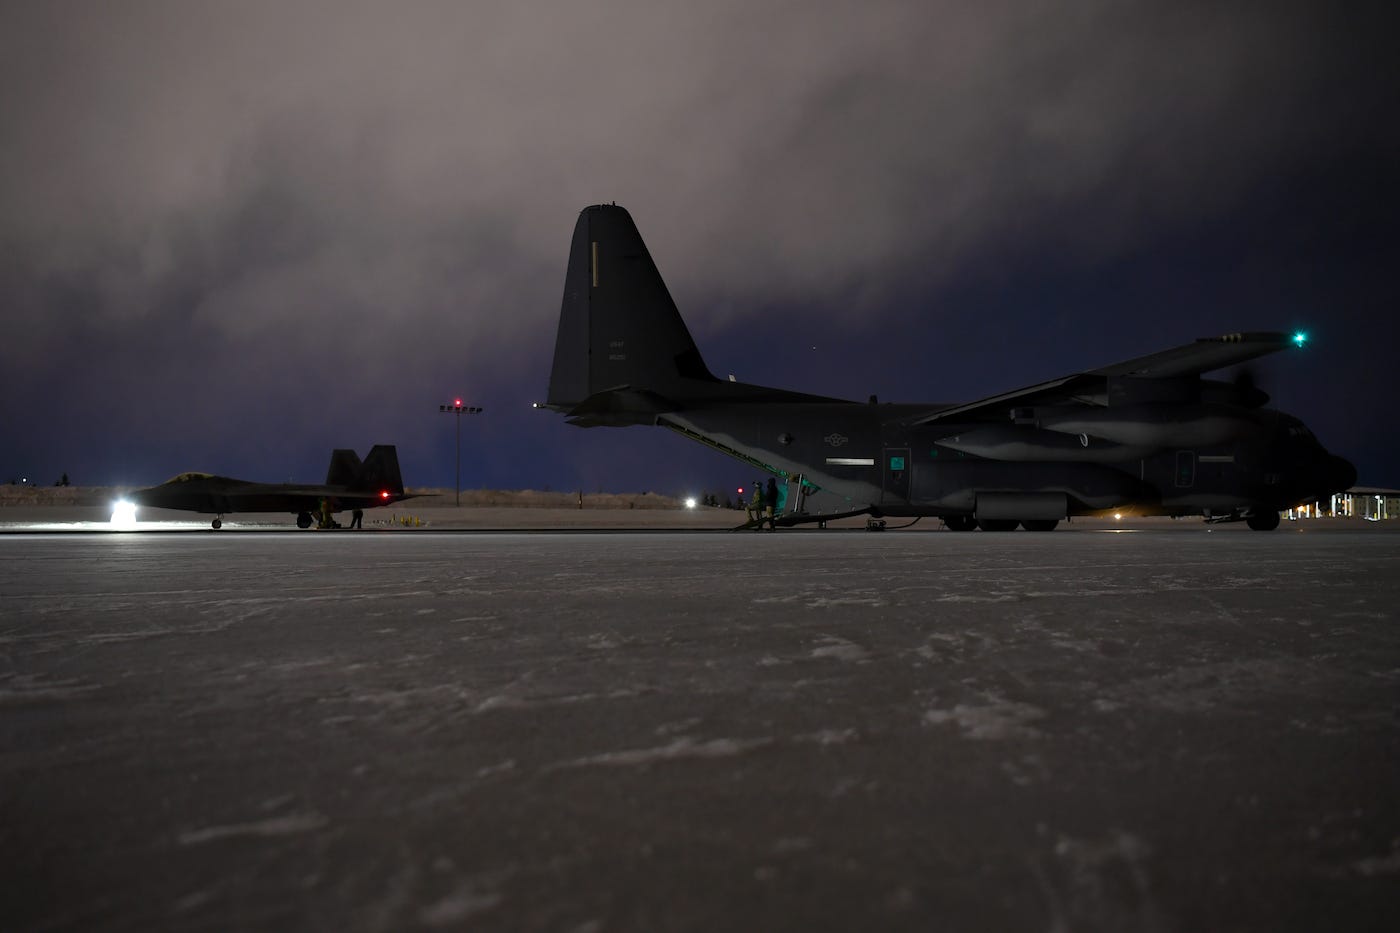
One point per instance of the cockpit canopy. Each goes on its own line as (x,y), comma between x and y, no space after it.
(188,478)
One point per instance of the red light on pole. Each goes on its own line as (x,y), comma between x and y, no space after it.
(456,408)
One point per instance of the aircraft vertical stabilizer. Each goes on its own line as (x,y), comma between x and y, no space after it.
(380,472)
(345,467)
(618,325)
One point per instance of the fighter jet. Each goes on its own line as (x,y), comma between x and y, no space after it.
(1149,436)
(350,484)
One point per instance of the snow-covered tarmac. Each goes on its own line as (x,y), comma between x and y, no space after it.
(1167,730)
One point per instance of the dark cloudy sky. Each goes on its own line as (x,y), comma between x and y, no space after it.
(236,235)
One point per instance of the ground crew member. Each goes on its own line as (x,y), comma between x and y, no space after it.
(755,507)
(770,504)
(357,518)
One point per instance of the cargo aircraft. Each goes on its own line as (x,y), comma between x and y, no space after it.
(1149,436)
(350,484)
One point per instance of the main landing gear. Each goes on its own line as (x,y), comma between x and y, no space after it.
(1262,521)
(1257,519)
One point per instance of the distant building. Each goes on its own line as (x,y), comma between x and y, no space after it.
(1369,502)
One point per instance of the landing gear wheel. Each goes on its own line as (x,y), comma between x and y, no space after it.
(304,520)
(217,523)
(1040,524)
(997,524)
(1262,521)
(960,522)
(874,524)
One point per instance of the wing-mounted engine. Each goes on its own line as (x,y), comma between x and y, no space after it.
(1151,425)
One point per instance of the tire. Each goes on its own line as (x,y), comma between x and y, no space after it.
(997,524)
(304,520)
(1040,524)
(960,522)
(1262,521)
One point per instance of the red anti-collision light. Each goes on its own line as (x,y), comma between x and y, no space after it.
(384,495)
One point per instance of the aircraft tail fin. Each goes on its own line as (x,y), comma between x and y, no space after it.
(618,327)
(345,467)
(380,472)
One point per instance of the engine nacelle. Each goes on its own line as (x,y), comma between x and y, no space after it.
(1150,426)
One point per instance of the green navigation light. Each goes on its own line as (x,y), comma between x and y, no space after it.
(1299,338)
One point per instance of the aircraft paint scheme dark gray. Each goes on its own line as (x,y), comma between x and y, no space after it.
(1149,435)
(350,484)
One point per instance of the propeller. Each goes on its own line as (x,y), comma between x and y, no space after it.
(1242,389)
(1246,386)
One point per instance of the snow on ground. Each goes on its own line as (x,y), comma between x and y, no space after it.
(1167,730)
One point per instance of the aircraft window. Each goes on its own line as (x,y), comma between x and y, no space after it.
(1185,468)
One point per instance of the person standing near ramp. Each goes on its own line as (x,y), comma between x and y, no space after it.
(770,504)
(755,506)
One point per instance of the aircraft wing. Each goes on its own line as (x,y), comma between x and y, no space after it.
(1203,356)
(1192,359)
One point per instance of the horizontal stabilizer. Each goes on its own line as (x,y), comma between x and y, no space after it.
(619,407)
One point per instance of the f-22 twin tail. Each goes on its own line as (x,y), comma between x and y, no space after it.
(1149,435)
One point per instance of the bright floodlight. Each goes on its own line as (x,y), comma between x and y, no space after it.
(1299,338)
(690,503)
(123,514)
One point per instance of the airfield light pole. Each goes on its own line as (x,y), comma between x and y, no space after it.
(458,409)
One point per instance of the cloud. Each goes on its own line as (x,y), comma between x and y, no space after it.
(288,176)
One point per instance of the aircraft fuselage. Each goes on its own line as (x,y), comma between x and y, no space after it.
(1224,460)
